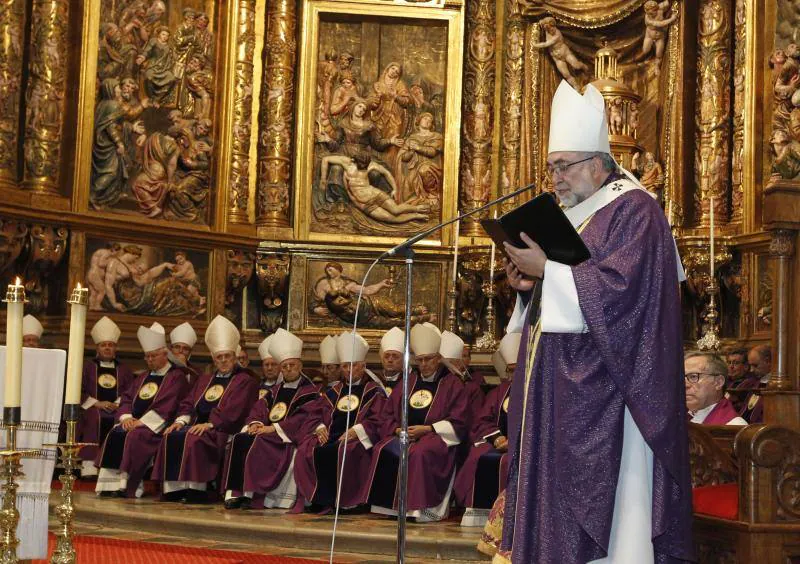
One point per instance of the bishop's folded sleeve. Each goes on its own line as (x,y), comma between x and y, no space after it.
(561,310)
(517,321)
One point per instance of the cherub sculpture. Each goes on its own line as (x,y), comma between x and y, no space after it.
(655,35)
(565,60)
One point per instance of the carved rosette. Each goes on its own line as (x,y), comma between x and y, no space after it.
(739,70)
(713,132)
(48,244)
(272,269)
(478,113)
(242,113)
(781,243)
(513,73)
(45,97)
(12,31)
(276,116)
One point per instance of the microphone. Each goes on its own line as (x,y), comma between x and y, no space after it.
(404,247)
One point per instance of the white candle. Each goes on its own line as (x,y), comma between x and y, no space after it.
(455,256)
(77,336)
(491,261)
(711,234)
(15,302)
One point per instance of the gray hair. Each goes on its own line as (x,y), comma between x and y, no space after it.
(713,362)
(608,162)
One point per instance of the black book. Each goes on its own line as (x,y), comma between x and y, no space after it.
(543,221)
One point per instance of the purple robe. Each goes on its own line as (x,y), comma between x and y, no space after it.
(95,423)
(258,463)
(721,414)
(196,458)
(752,408)
(317,467)
(483,476)
(131,451)
(566,461)
(430,460)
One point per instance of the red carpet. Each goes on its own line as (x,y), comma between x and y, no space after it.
(98,550)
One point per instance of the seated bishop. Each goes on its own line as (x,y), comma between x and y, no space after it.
(105,380)
(329,361)
(182,340)
(437,423)
(193,448)
(348,416)
(32,331)
(391,353)
(144,412)
(451,350)
(270,368)
(260,462)
(483,476)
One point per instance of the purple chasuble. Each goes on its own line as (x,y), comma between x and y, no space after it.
(258,463)
(223,401)
(103,384)
(317,467)
(565,460)
(721,414)
(131,451)
(431,461)
(483,476)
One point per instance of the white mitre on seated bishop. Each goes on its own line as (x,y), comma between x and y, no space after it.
(31,326)
(152,338)
(221,336)
(506,352)
(327,350)
(425,339)
(105,331)
(184,334)
(285,346)
(263,348)
(393,340)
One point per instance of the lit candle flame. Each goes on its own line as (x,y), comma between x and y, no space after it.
(17,282)
(78,287)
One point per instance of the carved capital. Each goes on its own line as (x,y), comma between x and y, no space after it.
(781,243)
(272,269)
(12,32)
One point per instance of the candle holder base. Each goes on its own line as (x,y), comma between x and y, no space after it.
(10,471)
(487,342)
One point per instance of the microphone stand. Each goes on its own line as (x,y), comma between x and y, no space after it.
(404,249)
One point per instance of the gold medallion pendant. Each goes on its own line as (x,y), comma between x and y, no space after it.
(420,399)
(278,411)
(148,391)
(348,403)
(261,394)
(753,401)
(107,381)
(505,404)
(214,392)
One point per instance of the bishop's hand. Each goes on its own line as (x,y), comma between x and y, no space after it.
(530,260)
(516,279)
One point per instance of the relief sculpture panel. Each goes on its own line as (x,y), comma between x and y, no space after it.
(154,110)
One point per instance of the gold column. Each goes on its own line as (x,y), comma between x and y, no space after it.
(275,121)
(781,249)
(478,114)
(44,114)
(512,100)
(12,32)
(713,111)
(238,186)
(739,71)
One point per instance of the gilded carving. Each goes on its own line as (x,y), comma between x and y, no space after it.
(45,96)
(478,114)
(657,19)
(512,99)
(145,279)
(240,265)
(739,74)
(563,58)
(695,257)
(276,116)
(13,237)
(242,113)
(781,243)
(47,247)
(712,159)
(272,270)
(12,29)
(154,118)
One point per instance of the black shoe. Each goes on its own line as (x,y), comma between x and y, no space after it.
(107,494)
(174,496)
(247,503)
(121,494)
(234,502)
(196,497)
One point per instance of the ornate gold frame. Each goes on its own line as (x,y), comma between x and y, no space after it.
(309,41)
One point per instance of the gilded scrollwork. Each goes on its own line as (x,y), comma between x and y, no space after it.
(272,270)
(45,97)
(739,75)
(238,186)
(48,244)
(513,73)
(12,30)
(478,115)
(276,115)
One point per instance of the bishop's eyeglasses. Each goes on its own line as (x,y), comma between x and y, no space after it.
(561,168)
(694,377)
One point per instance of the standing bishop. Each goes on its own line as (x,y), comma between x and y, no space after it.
(599,466)
(146,409)
(105,381)
(260,462)
(194,445)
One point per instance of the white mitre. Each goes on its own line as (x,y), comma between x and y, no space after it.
(151,339)
(184,334)
(105,331)
(578,122)
(285,346)
(31,326)
(393,340)
(327,350)
(221,335)
(156,326)
(425,339)
(263,348)
(351,347)
(451,346)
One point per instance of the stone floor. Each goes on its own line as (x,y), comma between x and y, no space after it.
(360,538)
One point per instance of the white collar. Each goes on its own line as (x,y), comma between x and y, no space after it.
(226,375)
(429,379)
(162,371)
(292,385)
(107,363)
(393,377)
(355,383)
(269,383)
(700,415)
(765,378)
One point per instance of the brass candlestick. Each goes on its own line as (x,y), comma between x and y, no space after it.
(64,552)
(710,339)
(452,323)
(487,341)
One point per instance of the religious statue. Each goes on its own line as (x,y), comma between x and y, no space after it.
(616,124)
(656,21)
(420,164)
(388,102)
(650,173)
(565,60)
